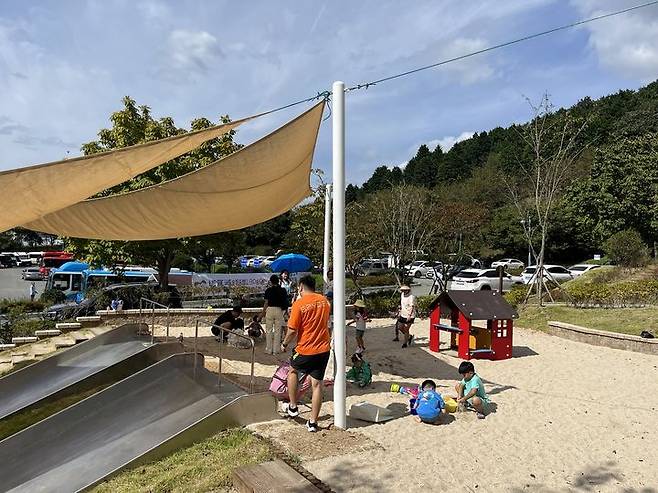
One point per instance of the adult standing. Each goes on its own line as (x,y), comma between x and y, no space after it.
(33,291)
(276,303)
(286,283)
(407,314)
(309,323)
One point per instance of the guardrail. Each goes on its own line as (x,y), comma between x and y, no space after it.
(223,330)
(146,302)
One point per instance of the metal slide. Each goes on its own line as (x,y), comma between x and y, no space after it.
(166,406)
(103,359)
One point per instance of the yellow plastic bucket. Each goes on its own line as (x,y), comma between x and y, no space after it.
(451,404)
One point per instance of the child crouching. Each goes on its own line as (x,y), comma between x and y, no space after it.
(360,373)
(429,404)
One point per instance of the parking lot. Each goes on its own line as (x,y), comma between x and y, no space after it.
(13,287)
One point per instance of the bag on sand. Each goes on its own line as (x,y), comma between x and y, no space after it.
(279,384)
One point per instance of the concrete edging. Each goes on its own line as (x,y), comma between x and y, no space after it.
(595,337)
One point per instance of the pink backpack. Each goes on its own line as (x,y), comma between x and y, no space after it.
(279,384)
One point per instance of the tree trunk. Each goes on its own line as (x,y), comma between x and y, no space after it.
(165,259)
(539,278)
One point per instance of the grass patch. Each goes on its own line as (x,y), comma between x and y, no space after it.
(205,466)
(22,420)
(622,320)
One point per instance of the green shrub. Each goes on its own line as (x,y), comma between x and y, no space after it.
(17,307)
(382,303)
(378,280)
(621,294)
(516,295)
(627,249)
(52,297)
(423,303)
(25,327)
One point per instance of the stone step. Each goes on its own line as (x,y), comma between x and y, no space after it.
(47,332)
(62,342)
(5,358)
(5,367)
(23,340)
(20,357)
(90,318)
(68,325)
(4,347)
(81,335)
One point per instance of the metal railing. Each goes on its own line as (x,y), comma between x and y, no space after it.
(229,332)
(145,302)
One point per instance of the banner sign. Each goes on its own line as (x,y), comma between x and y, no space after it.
(255,280)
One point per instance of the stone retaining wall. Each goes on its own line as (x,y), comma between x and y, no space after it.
(602,338)
(178,317)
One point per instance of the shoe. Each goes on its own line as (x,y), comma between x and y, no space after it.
(404,345)
(292,412)
(312,427)
(481,416)
(396,339)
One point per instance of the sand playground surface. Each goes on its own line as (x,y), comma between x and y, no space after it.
(567,417)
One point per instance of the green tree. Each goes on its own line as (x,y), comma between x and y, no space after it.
(132,125)
(627,249)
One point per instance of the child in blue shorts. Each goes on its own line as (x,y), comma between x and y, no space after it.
(470,391)
(429,403)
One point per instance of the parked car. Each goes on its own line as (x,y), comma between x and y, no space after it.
(8,260)
(31,274)
(555,272)
(508,263)
(418,268)
(267,261)
(580,269)
(482,280)
(372,267)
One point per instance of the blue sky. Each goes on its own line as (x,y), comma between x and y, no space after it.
(64,67)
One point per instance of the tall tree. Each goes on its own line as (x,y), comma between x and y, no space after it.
(132,125)
(553,139)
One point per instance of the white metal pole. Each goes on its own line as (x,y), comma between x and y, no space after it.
(327,236)
(338,109)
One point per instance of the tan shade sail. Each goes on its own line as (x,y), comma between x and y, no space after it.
(252,185)
(32,192)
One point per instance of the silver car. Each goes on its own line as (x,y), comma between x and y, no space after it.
(31,274)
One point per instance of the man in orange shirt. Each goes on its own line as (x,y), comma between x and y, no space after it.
(309,322)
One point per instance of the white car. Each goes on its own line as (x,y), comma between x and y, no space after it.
(267,261)
(580,269)
(508,263)
(555,272)
(482,280)
(419,268)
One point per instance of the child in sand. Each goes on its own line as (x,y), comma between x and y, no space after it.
(429,403)
(470,391)
(255,329)
(360,373)
(359,320)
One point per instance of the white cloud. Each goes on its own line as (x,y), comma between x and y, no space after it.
(626,43)
(193,50)
(447,142)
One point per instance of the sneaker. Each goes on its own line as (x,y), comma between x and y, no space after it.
(292,412)
(481,416)
(396,339)
(404,345)
(312,427)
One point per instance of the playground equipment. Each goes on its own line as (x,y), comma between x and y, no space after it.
(162,408)
(103,359)
(463,308)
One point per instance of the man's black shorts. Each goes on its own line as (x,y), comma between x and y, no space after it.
(406,321)
(313,364)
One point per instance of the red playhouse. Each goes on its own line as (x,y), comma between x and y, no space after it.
(462,308)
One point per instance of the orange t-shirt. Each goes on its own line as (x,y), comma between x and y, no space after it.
(309,316)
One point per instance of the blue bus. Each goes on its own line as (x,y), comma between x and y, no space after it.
(75,279)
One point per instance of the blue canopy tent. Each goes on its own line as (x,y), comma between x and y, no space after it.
(292,262)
